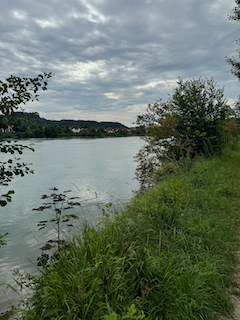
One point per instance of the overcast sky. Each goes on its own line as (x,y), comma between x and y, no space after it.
(113,57)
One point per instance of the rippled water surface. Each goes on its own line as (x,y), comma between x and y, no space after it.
(99,171)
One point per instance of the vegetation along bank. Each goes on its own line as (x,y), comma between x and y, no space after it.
(31,125)
(168,255)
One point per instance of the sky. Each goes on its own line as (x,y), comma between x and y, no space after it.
(110,58)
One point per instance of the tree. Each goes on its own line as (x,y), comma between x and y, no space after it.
(14,92)
(51,131)
(66,129)
(234,61)
(191,122)
(100,131)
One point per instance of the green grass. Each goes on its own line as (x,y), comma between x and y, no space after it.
(168,255)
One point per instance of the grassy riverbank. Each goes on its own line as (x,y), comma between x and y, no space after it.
(168,255)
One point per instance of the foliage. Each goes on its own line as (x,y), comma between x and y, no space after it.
(10,168)
(3,242)
(60,202)
(168,255)
(56,131)
(167,169)
(16,91)
(131,313)
(232,128)
(191,122)
(13,92)
(234,61)
(33,117)
(33,126)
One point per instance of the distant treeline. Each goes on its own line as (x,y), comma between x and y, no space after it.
(31,125)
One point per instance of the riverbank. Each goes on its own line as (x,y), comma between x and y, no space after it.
(61,134)
(168,255)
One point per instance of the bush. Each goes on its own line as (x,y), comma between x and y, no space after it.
(191,122)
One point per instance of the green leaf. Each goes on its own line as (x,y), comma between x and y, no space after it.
(112,316)
(3,203)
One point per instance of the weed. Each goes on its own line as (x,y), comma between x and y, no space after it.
(59,203)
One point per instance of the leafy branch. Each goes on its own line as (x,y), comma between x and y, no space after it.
(58,205)
(15,91)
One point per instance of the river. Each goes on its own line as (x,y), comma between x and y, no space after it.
(98,171)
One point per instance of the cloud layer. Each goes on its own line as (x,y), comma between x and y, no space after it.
(110,57)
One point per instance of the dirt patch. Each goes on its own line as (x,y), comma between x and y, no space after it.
(235,296)
(236,313)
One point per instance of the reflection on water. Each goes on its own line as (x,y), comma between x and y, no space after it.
(96,170)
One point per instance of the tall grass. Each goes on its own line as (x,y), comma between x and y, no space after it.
(167,255)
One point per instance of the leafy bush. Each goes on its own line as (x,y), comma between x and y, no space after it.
(191,122)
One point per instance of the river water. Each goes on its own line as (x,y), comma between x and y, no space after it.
(98,171)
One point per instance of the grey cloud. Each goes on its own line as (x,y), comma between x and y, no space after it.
(118,47)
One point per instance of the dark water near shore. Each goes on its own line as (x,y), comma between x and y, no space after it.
(98,171)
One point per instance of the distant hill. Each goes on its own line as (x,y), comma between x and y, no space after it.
(34,118)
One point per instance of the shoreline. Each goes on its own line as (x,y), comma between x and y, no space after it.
(168,254)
